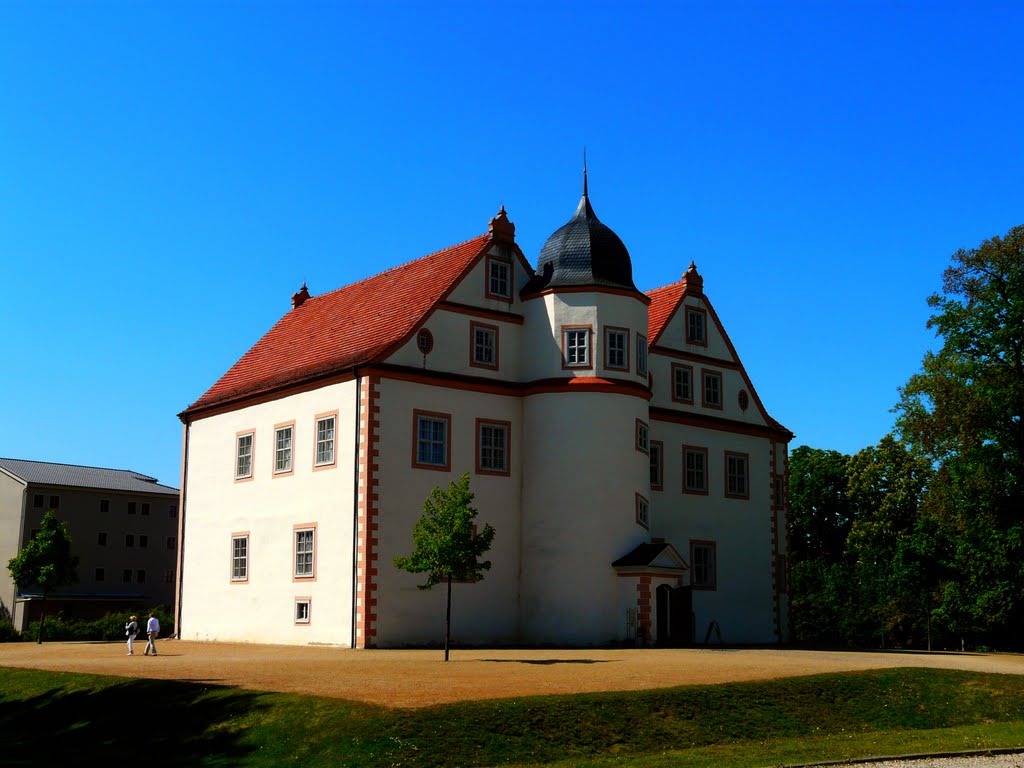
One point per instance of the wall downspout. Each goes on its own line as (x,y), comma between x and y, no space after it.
(186,431)
(355,512)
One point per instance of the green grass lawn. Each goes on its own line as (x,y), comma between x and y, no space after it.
(60,718)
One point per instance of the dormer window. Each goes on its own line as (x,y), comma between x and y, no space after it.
(696,332)
(499,279)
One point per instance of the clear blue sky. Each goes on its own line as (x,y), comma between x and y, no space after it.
(170,173)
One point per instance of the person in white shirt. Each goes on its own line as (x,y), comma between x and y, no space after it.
(152,632)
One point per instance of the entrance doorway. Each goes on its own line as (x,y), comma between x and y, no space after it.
(674,606)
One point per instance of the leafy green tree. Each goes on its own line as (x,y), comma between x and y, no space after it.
(819,504)
(45,562)
(965,411)
(447,546)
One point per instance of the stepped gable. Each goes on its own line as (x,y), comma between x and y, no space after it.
(350,326)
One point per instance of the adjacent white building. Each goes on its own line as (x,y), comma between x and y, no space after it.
(614,441)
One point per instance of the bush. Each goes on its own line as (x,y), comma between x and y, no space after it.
(8,634)
(108,627)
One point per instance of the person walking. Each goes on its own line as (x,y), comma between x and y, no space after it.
(152,632)
(131,629)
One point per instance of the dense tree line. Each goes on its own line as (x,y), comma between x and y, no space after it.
(918,541)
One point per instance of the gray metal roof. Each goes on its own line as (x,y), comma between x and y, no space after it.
(583,252)
(74,476)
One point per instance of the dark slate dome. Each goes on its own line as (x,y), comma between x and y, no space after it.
(583,252)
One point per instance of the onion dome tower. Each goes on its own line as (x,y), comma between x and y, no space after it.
(586,418)
(583,252)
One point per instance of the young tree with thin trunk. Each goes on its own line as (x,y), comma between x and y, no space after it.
(45,562)
(447,546)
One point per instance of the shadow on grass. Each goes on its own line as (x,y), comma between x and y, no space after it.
(145,722)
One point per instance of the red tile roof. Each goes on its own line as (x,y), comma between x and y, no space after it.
(347,327)
(664,301)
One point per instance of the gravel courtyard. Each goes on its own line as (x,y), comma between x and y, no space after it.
(414,678)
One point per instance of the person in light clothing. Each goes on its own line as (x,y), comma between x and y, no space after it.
(152,632)
(131,629)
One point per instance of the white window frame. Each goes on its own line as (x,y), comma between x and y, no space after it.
(484,339)
(244,455)
(304,552)
(704,575)
(643,436)
(239,557)
(493,439)
(499,273)
(576,343)
(303,610)
(643,512)
(701,338)
(324,456)
(682,375)
(715,401)
(616,348)
(737,475)
(695,450)
(284,452)
(425,445)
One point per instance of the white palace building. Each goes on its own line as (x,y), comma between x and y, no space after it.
(613,439)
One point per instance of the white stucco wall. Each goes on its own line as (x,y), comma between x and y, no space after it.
(743,600)
(268,508)
(484,612)
(582,474)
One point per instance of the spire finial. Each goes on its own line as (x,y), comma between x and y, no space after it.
(584,171)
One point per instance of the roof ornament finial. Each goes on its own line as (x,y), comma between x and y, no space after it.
(584,170)
(299,298)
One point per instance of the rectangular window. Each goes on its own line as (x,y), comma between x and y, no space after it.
(101,539)
(283,448)
(642,437)
(641,355)
(695,469)
(325,428)
(695,326)
(712,389)
(55,502)
(104,506)
(431,449)
(736,481)
(172,511)
(703,565)
(485,345)
(126,575)
(240,557)
(129,541)
(168,576)
(140,576)
(643,512)
(37,501)
(145,508)
(616,348)
(682,383)
(305,549)
(780,491)
(132,507)
(492,447)
(657,465)
(99,575)
(576,347)
(302,610)
(172,542)
(243,456)
(499,279)
(143,541)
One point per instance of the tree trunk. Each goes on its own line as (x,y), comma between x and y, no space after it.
(42,619)
(448,618)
